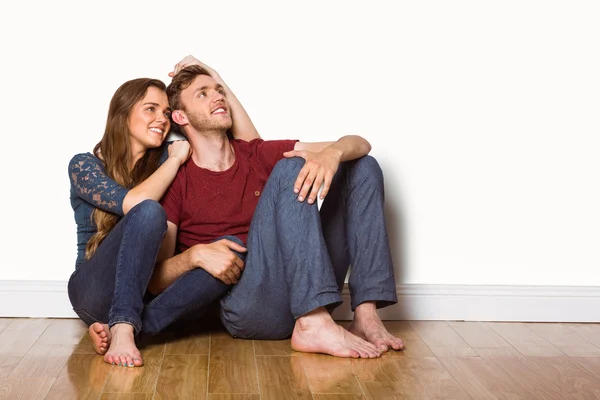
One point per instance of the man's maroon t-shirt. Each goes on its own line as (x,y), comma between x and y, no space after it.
(206,205)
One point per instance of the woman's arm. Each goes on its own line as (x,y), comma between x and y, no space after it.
(156,184)
(242,127)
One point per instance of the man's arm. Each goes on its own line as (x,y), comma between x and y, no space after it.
(242,127)
(216,258)
(322,162)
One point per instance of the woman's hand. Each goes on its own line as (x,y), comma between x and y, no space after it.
(180,150)
(219,260)
(191,60)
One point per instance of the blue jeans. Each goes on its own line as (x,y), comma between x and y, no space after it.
(298,257)
(110,287)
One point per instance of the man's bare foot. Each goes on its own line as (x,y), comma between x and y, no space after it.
(122,350)
(316,332)
(367,325)
(100,335)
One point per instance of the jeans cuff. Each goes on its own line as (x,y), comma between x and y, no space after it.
(327,300)
(382,298)
(135,322)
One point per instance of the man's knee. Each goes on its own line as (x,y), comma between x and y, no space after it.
(288,168)
(366,170)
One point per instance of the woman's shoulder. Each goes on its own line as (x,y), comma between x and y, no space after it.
(81,159)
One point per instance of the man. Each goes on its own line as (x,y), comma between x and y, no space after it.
(239,216)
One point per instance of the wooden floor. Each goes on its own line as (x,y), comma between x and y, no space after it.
(53,359)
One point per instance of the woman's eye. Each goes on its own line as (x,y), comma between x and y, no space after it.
(168,114)
(151,109)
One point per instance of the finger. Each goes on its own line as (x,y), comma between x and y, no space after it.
(315,188)
(326,186)
(225,279)
(237,272)
(290,154)
(233,245)
(307,184)
(232,277)
(301,177)
(239,262)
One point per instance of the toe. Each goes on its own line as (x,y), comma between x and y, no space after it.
(129,360)
(122,360)
(137,361)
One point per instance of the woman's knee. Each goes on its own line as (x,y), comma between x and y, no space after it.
(149,214)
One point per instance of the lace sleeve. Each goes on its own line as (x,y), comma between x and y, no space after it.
(90,182)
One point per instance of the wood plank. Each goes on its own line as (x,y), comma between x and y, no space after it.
(328,374)
(591,364)
(18,337)
(479,334)
(442,340)
(63,331)
(521,371)
(414,345)
(482,381)
(4,322)
(426,378)
(239,396)
(83,378)
(282,377)
(183,377)
(525,340)
(274,348)
(25,388)
(319,396)
(126,396)
(84,346)
(43,361)
(379,378)
(566,339)
(188,343)
(590,332)
(572,378)
(138,379)
(232,365)
(7,364)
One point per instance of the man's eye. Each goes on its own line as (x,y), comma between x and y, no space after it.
(202,94)
(222,92)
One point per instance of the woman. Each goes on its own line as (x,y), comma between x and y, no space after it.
(120,224)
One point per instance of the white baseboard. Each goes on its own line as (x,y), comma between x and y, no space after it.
(415,302)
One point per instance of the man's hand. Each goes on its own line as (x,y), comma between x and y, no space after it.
(318,170)
(219,260)
(191,60)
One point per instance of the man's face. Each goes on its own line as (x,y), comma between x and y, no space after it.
(205,105)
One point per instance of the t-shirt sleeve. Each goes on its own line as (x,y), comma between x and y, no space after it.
(271,151)
(172,200)
(90,181)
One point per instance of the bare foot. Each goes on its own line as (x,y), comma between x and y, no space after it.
(122,350)
(100,335)
(368,325)
(316,332)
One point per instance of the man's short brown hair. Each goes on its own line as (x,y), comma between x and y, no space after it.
(181,81)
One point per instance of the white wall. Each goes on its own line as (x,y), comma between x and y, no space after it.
(484,116)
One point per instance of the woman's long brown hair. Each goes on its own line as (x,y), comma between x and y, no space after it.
(115,152)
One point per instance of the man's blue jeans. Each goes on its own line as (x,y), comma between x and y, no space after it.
(298,257)
(110,287)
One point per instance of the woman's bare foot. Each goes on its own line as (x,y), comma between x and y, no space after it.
(316,332)
(100,335)
(122,350)
(368,325)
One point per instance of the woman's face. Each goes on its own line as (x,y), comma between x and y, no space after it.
(149,120)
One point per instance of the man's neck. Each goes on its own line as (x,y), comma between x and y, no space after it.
(211,150)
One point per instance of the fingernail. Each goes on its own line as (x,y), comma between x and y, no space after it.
(296,190)
(300,198)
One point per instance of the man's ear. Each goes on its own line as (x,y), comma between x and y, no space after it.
(179,117)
